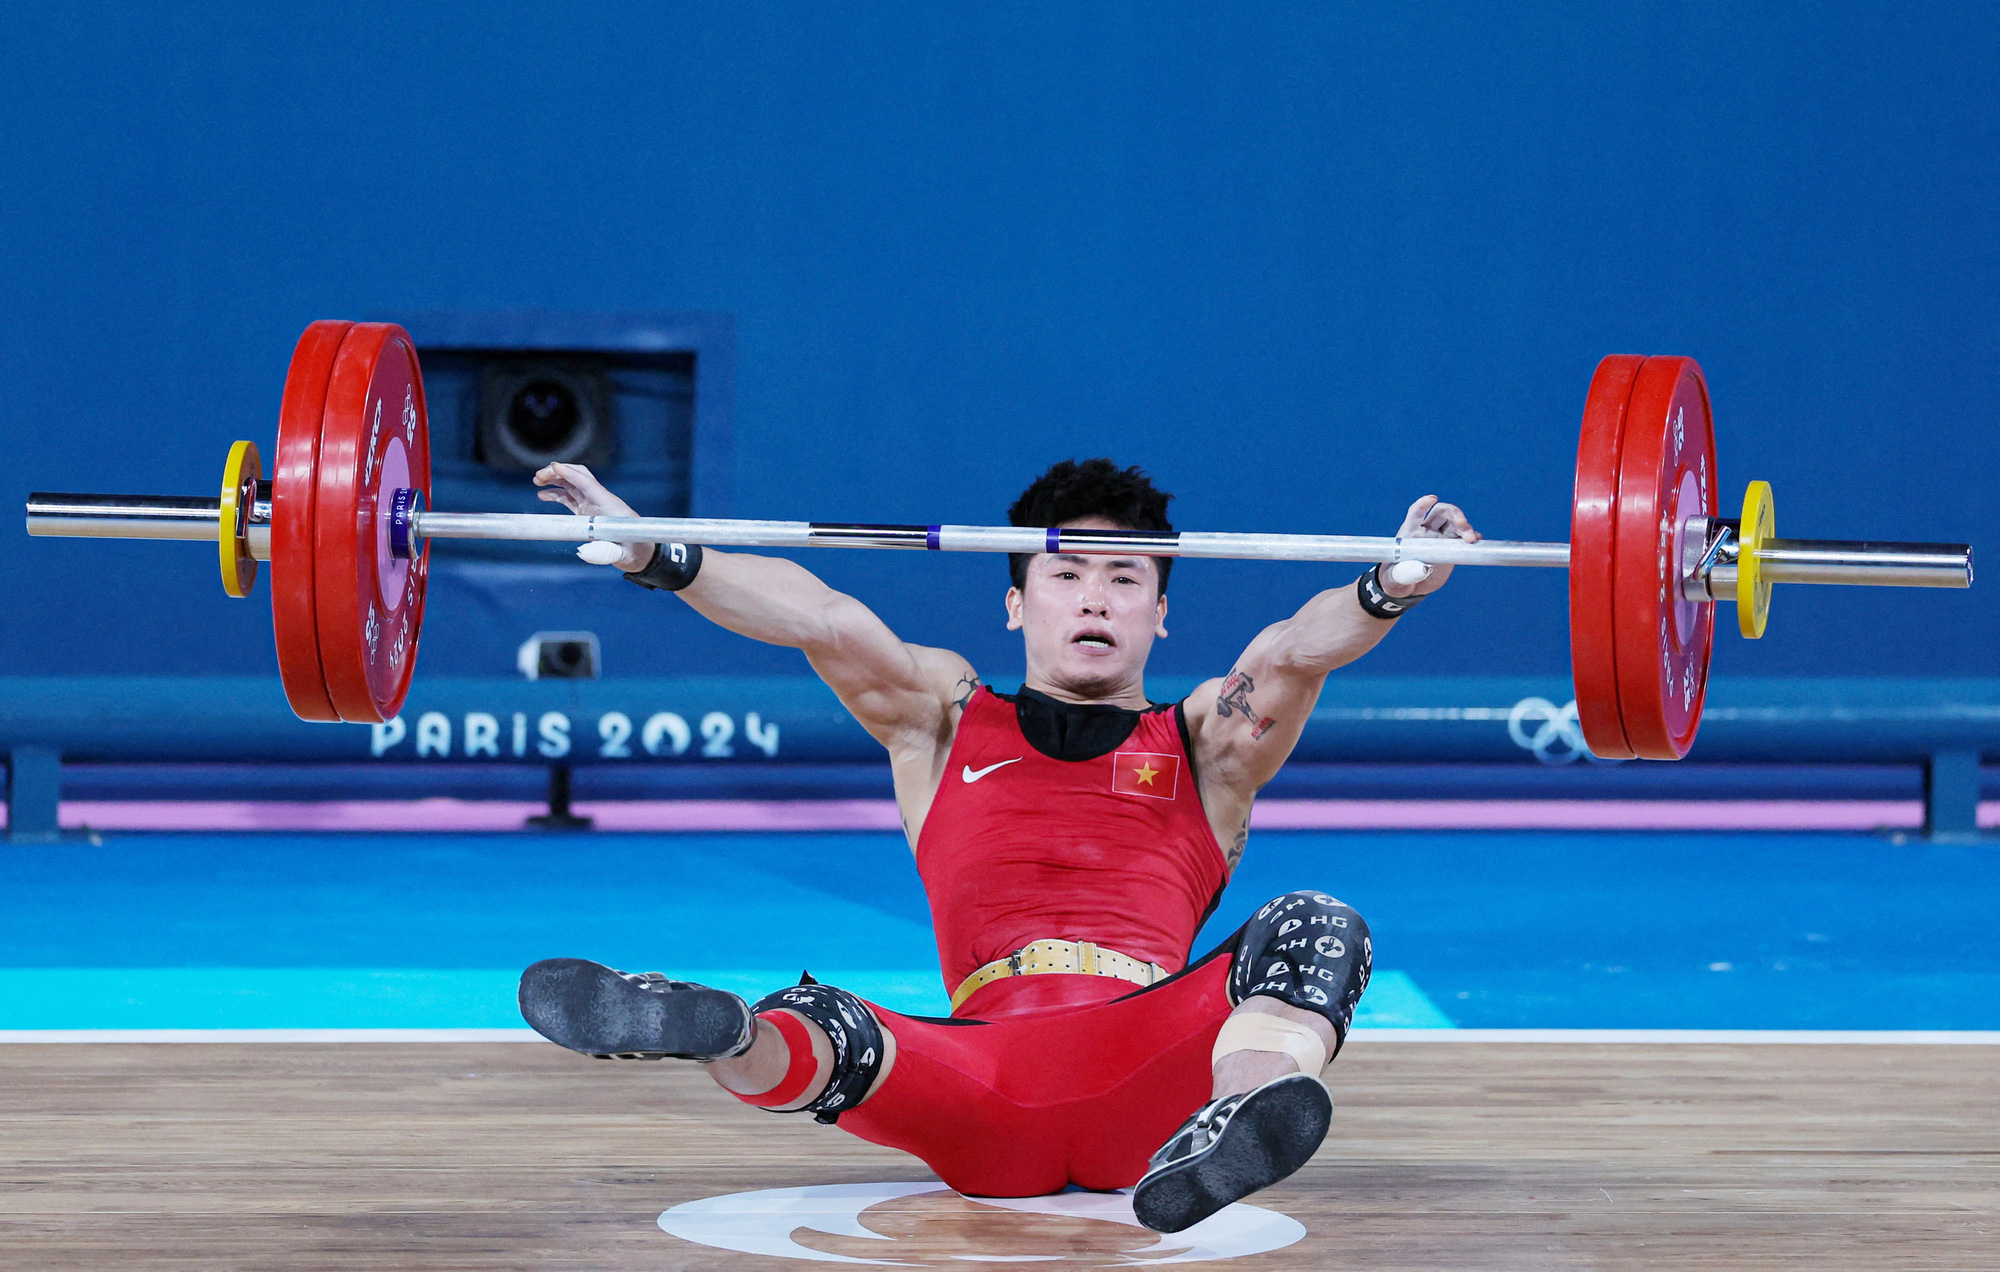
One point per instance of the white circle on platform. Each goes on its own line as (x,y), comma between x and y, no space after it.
(764,1222)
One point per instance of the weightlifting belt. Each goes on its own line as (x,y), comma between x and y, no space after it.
(1076,958)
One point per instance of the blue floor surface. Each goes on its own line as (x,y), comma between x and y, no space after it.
(1474,929)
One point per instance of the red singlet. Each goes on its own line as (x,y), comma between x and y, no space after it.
(1019,847)
(1042,1081)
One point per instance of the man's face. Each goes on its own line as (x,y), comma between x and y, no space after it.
(1089,621)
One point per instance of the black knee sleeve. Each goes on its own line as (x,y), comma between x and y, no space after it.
(1307,950)
(856,1037)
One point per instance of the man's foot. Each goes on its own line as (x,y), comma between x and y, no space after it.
(592,1008)
(1231,1148)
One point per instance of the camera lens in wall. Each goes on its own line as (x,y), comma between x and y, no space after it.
(567,660)
(543,416)
(536,413)
(560,656)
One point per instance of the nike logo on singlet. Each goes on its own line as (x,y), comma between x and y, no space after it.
(972,775)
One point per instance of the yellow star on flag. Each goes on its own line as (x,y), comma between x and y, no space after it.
(1146,773)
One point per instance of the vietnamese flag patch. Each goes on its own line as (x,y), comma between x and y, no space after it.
(1145,773)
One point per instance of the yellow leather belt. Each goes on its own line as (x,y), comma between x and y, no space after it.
(1078,958)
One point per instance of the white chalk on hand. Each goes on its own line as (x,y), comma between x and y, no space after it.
(598,552)
(1409,572)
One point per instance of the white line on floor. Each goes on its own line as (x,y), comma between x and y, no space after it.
(1732,1037)
(268,1035)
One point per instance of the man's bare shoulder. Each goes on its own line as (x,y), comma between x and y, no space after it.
(1199,706)
(918,727)
(905,695)
(950,675)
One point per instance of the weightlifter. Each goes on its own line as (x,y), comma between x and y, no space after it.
(1072,838)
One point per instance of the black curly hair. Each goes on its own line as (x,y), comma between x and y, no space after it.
(1075,489)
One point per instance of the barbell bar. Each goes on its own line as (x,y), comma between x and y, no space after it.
(345,523)
(1824,561)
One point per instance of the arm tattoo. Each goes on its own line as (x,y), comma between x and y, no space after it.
(967,685)
(1235,851)
(1235,696)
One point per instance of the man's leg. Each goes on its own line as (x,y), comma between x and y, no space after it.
(817,1049)
(763,1067)
(810,1047)
(1250,1067)
(1301,965)
(1299,969)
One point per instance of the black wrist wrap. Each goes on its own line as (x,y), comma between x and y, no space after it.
(672,568)
(1378,602)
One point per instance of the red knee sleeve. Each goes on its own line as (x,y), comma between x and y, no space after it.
(798,1074)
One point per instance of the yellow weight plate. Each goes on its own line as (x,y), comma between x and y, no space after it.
(1753,590)
(240,476)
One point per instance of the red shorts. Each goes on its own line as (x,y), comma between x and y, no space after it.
(1026,1105)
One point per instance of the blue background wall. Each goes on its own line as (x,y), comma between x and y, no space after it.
(1304,263)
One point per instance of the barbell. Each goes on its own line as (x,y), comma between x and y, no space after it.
(345,523)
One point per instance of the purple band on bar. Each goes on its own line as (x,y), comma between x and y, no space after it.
(402,504)
(1055,540)
(931,538)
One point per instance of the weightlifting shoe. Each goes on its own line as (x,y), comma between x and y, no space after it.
(1231,1148)
(609,1014)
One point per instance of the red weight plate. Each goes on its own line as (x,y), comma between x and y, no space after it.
(1666,474)
(374,439)
(1592,535)
(294,620)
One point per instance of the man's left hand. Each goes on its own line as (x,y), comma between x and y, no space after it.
(1430,519)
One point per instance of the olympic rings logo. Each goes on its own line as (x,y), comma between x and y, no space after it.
(1550,731)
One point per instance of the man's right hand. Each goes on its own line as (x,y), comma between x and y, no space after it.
(577,489)
(902,694)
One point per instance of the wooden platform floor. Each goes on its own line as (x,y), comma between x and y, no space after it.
(1445,1156)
